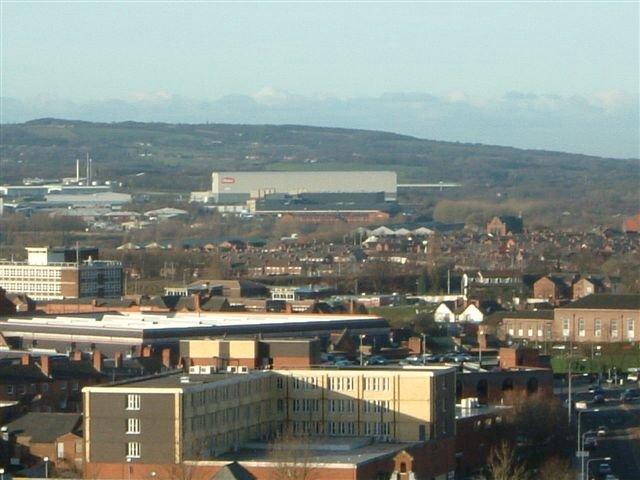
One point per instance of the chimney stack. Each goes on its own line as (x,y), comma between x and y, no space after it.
(118,359)
(45,365)
(97,360)
(77,170)
(146,351)
(77,356)
(26,360)
(196,302)
(166,357)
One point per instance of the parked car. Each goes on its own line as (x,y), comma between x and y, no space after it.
(598,398)
(596,390)
(605,469)
(626,397)
(343,362)
(590,443)
(377,360)
(602,431)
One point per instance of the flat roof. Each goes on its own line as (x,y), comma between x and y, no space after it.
(147,326)
(142,321)
(357,455)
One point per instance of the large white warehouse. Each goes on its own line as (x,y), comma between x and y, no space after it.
(235,187)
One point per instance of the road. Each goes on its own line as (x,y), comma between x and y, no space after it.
(622,443)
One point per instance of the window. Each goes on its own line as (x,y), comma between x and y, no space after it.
(422,432)
(597,327)
(133,402)
(376,383)
(10,390)
(565,327)
(582,331)
(133,425)
(614,328)
(133,449)
(630,329)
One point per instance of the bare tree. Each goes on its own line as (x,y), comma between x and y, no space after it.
(504,465)
(291,455)
(556,468)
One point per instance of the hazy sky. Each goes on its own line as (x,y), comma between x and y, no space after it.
(138,51)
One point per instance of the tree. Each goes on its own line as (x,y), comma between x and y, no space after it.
(291,456)
(556,468)
(504,465)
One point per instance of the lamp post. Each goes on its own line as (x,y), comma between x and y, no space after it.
(361,339)
(424,347)
(605,459)
(581,439)
(46,467)
(1,473)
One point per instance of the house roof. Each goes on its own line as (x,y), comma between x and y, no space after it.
(233,471)
(607,302)
(45,427)
(11,372)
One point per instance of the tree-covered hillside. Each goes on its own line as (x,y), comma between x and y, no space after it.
(181,157)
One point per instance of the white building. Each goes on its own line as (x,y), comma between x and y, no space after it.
(55,274)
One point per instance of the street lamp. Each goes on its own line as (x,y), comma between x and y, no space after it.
(603,459)
(361,339)
(46,467)
(153,474)
(1,473)
(581,439)
(424,347)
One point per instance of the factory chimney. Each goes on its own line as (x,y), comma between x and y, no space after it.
(77,170)
(88,169)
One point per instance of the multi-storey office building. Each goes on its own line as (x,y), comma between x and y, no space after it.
(158,424)
(50,274)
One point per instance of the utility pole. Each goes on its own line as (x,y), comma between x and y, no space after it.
(569,384)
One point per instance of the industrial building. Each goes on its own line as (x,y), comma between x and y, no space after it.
(59,273)
(238,187)
(130,332)
(161,425)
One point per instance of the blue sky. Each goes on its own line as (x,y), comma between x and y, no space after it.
(477,54)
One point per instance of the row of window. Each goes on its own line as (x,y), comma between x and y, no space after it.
(306,405)
(375,384)
(44,387)
(597,328)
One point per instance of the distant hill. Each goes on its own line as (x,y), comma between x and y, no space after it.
(181,157)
